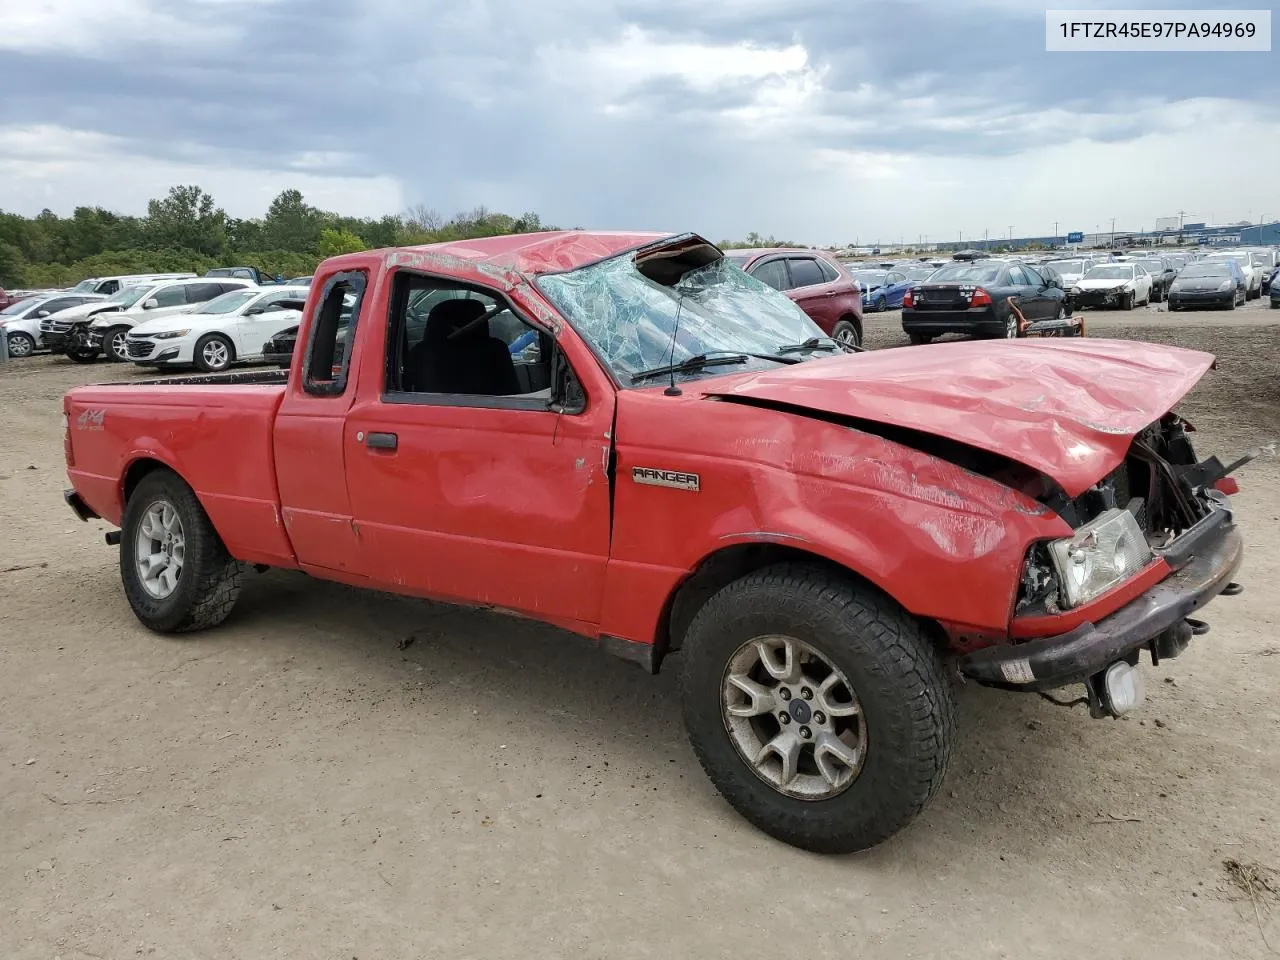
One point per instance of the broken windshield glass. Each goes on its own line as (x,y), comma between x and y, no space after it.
(629,318)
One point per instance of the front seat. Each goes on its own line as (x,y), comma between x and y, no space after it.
(471,361)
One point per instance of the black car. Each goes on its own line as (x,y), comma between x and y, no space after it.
(973,297)
(1275,289)
(1209,283)
(1163,273)
(279,349)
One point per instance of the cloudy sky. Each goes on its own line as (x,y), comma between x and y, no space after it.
(812,120)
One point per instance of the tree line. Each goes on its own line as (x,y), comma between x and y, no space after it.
(187,231)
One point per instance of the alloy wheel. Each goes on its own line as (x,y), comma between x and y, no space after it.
(793,717)
(161,549)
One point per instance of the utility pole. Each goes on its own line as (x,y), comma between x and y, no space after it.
(1113,231)
(986,242)
(1011,236)
(1055,233)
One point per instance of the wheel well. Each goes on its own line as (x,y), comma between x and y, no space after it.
(137,470)
(721,569)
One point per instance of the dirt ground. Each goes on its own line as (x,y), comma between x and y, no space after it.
(295,784)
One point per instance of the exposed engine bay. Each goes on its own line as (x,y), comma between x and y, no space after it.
(1163,489)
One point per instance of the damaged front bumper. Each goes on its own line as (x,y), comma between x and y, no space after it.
(1155,620)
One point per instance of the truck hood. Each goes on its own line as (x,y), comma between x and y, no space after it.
(1068,408)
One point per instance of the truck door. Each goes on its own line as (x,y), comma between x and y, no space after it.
(466,482)
(310,471)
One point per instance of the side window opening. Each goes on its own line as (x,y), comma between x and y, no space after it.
(328,354)
(455,343)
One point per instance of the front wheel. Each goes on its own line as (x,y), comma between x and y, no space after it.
(214,353)
(817,706)
(846,332)
(918,339)
(176,571)
(21,345)
(115,344)
(1126,301)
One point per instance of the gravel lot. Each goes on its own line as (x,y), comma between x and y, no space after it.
(295,784)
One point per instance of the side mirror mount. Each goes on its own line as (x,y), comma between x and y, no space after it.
(566,391)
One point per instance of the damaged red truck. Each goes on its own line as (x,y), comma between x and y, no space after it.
(626,436)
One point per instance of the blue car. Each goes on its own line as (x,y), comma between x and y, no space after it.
(884,289)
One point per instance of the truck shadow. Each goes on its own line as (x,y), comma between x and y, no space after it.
(1024,773)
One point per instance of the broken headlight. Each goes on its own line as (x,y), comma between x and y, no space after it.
(1101,554)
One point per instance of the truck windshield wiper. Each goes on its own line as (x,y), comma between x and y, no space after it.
(716,358)
(815,343)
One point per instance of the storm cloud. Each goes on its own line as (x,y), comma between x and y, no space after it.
(809,120)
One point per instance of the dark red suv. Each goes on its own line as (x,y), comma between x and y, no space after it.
(819,285)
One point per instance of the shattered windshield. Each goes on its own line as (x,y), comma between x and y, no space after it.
(1114,271)
(629,318)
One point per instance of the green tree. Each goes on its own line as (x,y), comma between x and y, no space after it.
(335,242)
(187,218)
(291,223)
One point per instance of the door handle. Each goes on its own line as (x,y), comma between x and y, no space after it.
(381,441)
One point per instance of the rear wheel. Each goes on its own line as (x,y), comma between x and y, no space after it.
(176,572)
(817,706)
(918,339)
(881,305)
(847,332)
(21,344)
(214,353)
(1011,325)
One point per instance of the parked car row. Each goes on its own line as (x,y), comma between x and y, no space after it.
(96,317)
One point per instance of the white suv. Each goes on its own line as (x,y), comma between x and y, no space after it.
(108,332)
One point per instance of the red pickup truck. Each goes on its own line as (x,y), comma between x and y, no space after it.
(627,436)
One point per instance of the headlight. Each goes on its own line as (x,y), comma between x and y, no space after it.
(1103,553)
(1227,285)
(170,334)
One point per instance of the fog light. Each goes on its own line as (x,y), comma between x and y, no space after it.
(1123,687)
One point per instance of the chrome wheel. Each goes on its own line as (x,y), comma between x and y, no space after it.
(1011,326)
(119,348)
(215,354)
(793,717)
(848,336)
(160,549)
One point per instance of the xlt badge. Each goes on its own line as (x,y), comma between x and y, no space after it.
(666,478)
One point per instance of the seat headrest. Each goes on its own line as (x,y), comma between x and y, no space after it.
(450,315)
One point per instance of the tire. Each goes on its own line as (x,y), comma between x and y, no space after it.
(846,331)
(906,707)
(1232,305)
(221,353)
(919,339)
(881,305)
(21,345)
(113,344)
(208,581)
(1126,301)
(79,350)
(1011,325)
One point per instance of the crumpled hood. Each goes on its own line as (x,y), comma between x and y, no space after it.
(1068,408)
(1100,284)
(83,310)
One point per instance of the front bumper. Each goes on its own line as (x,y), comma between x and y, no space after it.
(1096,298)
(1090,648)
(148,352)
(1201,298)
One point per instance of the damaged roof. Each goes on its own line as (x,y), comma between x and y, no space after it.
(520,256)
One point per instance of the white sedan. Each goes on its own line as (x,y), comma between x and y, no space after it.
(227,329)
(1122,285)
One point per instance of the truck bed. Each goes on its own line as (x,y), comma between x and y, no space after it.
(216,432)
